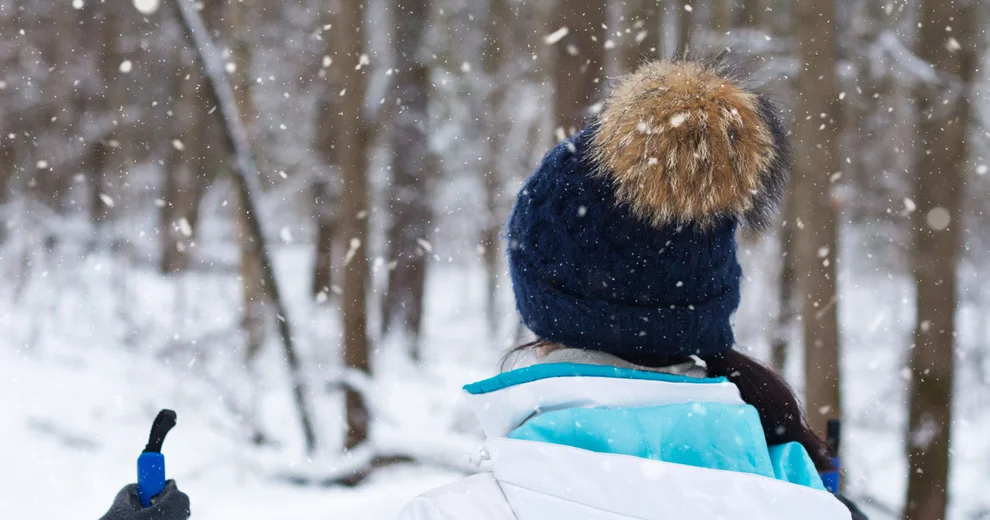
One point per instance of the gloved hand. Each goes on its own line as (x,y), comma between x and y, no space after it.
(170,504)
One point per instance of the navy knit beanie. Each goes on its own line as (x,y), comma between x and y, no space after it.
(623,240)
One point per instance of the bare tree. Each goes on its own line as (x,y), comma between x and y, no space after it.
(253,314)
(413,167)
(498,48)
(348,48)
(721,16)
(685,28)
(645,41)
(184,181)
(817,161)
(786,310)
(949,37)
(578,60)
(751,14)
(246,181)
(324,199)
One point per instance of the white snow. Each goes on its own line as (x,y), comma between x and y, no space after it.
(556,36)
(146,7)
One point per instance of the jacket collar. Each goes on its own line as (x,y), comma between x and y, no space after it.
(505,401)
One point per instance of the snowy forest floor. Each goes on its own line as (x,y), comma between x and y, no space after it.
(93,348)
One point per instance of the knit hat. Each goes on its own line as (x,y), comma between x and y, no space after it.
(623,240)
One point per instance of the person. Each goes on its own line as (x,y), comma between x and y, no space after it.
(623,259)
(622,254)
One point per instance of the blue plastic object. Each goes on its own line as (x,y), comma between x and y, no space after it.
(831,478)
(151,476)
(151,462)
(832,436)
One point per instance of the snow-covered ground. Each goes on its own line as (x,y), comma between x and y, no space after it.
(92,349)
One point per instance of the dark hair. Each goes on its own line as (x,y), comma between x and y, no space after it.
(759,386)
(779,409)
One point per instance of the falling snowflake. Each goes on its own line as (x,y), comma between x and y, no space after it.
(106,200)
(938,218)
(185,228)
(355,244)
(78,4)
(556,36)
(178,145)
(909,205)
(426,245)
(285,234)
(688,8)
(146,7)
(126,66)
(678,120)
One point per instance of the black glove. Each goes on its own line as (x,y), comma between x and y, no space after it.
(170,504)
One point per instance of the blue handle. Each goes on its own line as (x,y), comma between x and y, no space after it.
(150,476)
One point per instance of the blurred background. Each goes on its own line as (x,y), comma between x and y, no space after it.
(283,220)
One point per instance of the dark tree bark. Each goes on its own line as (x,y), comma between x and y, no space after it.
(685,28)
(937,223)
(752,14)
(413,166)
(236,19)
(786,311)
(578,60)
(499,47)
(817,159)
(325,201)
(721,17)
(644,43)
(184,180)
(348,47)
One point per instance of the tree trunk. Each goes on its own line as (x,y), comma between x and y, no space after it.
(324,199)
(499,46)
(685,27)
(817,242)
(253,314)
(785,290)
(937,224)
(578,60)
(184,180)
(413,166)
(645,18)
(348,47)
(752,14)
(721,17)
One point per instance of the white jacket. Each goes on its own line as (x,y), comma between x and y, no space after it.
(532,480)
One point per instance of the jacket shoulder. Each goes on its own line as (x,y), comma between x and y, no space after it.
(478,497)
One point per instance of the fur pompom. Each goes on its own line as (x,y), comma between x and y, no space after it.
(686,142)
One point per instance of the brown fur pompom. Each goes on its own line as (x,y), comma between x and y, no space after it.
(685,142)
